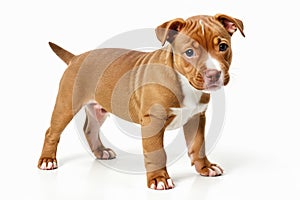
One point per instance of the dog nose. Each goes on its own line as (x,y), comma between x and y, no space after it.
(212,75)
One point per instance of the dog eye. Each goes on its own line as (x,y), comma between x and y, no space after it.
(223,47)
(189,53)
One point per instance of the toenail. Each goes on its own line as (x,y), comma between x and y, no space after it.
(160,186)
(105,155)
(49,166)
(152,186)
(217,170)
(170,183)
(43,166)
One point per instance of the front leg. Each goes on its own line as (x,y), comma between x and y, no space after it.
(154,154)
(194,131)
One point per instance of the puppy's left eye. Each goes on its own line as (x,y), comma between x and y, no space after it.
(223,47)
(189,53)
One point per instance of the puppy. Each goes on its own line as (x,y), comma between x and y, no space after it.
(160,90)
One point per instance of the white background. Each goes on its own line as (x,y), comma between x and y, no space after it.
(260,142)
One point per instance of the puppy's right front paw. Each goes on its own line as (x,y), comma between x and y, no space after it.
(161,183)
(159,180)
(47,163)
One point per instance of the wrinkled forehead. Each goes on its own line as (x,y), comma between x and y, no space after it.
(202,29)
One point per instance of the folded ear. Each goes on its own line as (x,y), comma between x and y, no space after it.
(168,30)
(230,24)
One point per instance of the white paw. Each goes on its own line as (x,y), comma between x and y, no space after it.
(161,185)
(48,166)
(217,170)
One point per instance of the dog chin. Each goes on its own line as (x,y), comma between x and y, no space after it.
(207,88)
(213,87)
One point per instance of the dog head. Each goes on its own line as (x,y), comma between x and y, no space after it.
(201,47)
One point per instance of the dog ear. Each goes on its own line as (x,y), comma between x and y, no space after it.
(230,24)
(168,30)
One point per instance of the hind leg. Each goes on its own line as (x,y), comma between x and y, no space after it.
(61,116)
(95,117)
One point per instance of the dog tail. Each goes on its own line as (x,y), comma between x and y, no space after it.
(61,53)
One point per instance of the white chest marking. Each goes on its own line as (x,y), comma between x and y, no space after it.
(191,104)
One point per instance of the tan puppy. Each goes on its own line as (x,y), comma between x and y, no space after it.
(160,90)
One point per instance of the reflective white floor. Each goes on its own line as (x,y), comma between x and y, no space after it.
(251,172)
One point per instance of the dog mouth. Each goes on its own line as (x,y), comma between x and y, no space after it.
(200,84)
(213,86)
(207,86)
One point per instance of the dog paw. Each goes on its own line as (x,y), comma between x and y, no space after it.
(104,154)
(161,183)
(47,164)
(209,170)
(159,180)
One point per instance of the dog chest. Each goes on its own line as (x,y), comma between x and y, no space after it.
(190,106)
